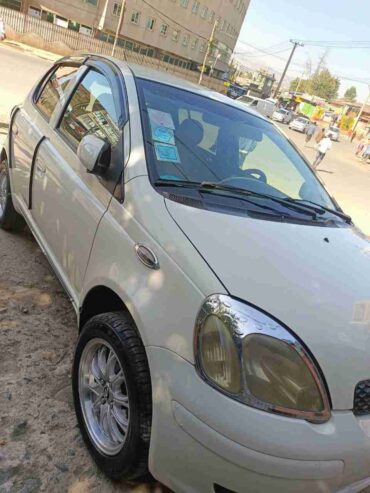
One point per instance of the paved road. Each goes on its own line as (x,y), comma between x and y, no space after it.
(346,177)
(19,72)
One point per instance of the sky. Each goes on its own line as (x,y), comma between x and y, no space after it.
(270,22)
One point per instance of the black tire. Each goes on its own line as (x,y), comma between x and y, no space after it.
(118,329)
(10,220)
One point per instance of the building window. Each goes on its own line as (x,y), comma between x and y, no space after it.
(204,12)
(203,46)
(212,16)
(175,35)
(135,17)
(150,24)
(185,40)
(184,3)
(195,7)
(164,29)
(117,9)
(34,11)
(194,44)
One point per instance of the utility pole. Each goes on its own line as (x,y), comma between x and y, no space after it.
(209,46)
(119,25)
(295,44)
(361,111)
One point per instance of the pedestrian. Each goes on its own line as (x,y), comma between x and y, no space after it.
(353,136)
(322,148)
(360,147)
(320,135)
(366,154)
(310,132)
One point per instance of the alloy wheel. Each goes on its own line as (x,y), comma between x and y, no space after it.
(104,396)
(3,191)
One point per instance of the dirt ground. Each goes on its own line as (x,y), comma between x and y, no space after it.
(41,449)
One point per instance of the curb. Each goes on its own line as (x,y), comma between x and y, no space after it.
(46,55)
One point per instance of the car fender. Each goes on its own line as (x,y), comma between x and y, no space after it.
(164,302)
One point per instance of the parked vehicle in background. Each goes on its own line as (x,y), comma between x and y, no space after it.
(235,92)
(263,106)
(2,29)
(282,115)
(333,133)
(300,124)
(216,283)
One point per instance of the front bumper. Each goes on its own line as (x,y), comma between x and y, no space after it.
(201,438)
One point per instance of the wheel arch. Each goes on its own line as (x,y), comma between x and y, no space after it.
(101,299)
(3,154)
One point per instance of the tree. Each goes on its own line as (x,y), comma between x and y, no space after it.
(350,94)
(325,85)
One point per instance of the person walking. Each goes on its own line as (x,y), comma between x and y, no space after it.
(322,148)
(319,135)
(310,132)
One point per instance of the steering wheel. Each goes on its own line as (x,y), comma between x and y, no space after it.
(254,173)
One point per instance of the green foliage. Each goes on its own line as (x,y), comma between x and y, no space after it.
(350,94)
(323,84)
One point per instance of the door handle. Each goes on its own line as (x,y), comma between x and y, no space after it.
(40,167)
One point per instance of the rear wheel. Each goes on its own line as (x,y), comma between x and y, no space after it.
(112,395)
(9,218)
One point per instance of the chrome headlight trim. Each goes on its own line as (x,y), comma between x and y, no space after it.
(242,320)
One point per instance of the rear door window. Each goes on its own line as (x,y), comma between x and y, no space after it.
(55,89)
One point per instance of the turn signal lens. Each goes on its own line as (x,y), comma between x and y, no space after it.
(218,355)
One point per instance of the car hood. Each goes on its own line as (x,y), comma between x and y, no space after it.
(316,280)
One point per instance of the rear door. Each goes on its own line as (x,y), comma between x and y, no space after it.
(67,201)
(31,125)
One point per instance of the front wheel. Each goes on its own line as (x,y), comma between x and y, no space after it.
(9,218)
(112,395)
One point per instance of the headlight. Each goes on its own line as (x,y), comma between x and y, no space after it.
(252,358)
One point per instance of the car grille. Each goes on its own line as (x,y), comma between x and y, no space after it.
(361,402)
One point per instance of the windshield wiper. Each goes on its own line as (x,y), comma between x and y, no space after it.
(206,186)
(318,207)
(250,193)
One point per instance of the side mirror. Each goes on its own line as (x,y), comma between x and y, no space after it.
(94,154)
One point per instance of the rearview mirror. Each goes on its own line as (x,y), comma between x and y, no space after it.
(94,154)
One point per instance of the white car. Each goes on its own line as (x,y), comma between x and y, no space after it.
(283,116)
(333,133)
(263,106)
(222,297)
(300,124)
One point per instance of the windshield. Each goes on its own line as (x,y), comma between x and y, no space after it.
(283,112)
(198,139)
(334,129)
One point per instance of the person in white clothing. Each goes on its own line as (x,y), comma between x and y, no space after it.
(322,148)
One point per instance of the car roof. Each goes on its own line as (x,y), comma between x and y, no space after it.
(154,75)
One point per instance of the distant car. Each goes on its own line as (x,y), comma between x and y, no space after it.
(300,124)
(263,106)
(235,92)
(282,115)
(333,133)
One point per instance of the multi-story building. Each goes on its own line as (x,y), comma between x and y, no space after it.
(175,31)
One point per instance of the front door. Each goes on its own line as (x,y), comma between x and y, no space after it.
(67,201)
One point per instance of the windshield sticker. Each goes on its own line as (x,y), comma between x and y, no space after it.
(165,152)
(163,134)
(160,119)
